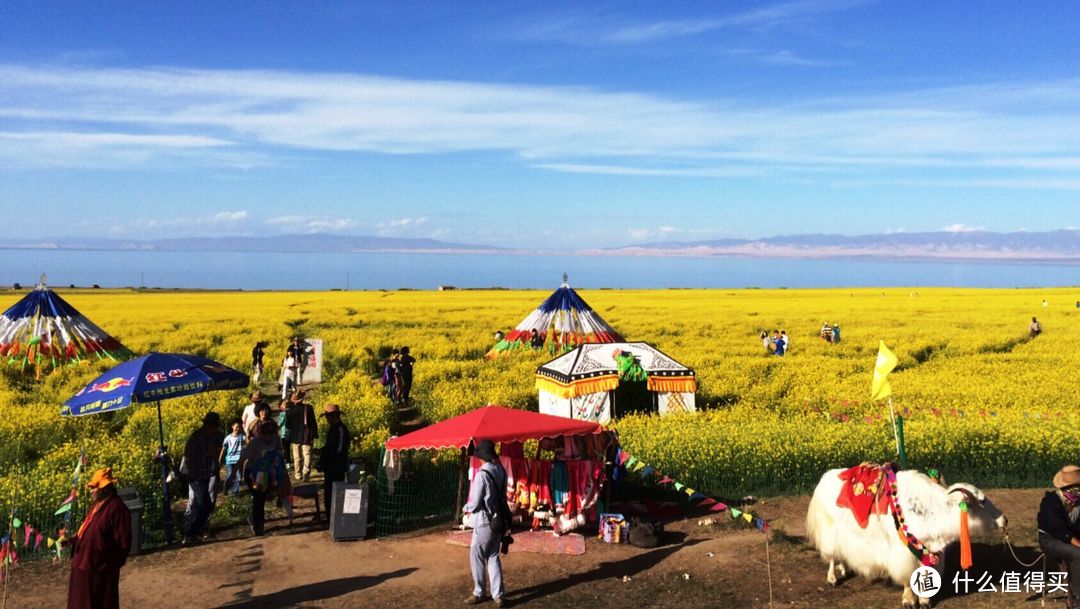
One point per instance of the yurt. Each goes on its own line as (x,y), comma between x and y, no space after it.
(562,322)
(43,329)
(599,382)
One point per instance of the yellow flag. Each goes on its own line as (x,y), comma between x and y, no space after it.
(886,361)
(748,516)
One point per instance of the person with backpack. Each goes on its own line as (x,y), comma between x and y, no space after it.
(405,374)
(489,515)
(264,467)
(389,377)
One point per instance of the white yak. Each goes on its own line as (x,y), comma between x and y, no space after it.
(931,512)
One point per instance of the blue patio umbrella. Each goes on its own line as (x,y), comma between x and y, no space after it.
(152,378)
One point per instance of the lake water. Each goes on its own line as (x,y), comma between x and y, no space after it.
(309,271)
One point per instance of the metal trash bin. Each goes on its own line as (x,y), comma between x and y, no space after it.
(130,496)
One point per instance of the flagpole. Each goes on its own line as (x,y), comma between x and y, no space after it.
(896,436)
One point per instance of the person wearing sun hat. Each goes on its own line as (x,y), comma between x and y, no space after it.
(1059,523)
(334,458)
(100,547)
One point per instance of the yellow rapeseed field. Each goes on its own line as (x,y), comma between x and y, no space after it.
(982,402)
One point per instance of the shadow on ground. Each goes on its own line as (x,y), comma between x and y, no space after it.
(315,592)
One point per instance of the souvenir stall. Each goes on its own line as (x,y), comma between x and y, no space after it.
(599,382)
(557,487)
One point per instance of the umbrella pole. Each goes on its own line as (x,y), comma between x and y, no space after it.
(166,513)
(460,486)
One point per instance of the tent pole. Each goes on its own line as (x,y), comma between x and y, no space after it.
(166,513)
(460,486)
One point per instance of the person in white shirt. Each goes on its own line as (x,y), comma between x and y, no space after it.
(251,411)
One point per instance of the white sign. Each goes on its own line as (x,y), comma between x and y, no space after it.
(312,371)
(354,500)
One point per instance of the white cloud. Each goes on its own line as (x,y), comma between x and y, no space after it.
(310,224)
(247,118)
(402,222)
(411,227)
(637,234)
(225,217)
(895,231)
(962,228)
(667,230)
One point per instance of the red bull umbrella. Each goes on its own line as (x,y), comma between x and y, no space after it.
(152,378)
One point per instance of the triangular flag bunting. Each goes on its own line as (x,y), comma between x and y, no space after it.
(639,466)
(707,501)
(50,542)
(735,513)
(623,457)
(16,523)
(631,462)
(679,486)
(648,470)
(63,508)
(747,516)
(696,496)
(688,490)
(665,480)
(719,507)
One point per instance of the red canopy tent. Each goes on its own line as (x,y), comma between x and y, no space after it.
(494,423)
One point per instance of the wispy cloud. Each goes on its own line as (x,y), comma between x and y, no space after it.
(591,29)
(1011,132)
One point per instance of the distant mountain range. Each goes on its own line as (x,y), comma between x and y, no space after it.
(315,242)
(1059,245)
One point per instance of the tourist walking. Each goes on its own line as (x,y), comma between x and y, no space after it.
(1035,328)
(262,413)
(203,471)
(488,488)
(250,415)
(257,353)
(405,372)
(230,456)
(303,429)
(765,342)
(100,547)
(334,459)
(787,341)
(264,469)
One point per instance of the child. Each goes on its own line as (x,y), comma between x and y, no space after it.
(230,456)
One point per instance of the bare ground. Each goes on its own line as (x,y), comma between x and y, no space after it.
(697,565)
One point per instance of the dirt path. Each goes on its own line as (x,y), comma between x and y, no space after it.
(698,566)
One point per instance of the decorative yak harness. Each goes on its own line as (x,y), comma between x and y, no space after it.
(914,545)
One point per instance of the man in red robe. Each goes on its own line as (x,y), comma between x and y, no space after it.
(101,548)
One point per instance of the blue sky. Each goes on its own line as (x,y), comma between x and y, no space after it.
(550,125)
